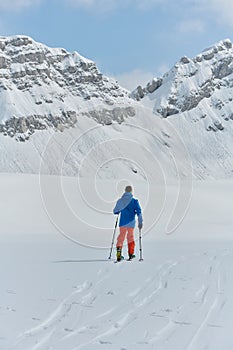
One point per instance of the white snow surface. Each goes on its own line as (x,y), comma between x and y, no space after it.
(145,143)
(36,80)
(196,97)
(58,295)
(161,144)
(41,82)
(58,288)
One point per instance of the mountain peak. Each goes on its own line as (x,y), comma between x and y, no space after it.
(220,46)
(42,87)
(208,53)
(16,40)
(192,81)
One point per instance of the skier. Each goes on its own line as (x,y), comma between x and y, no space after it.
(128,207)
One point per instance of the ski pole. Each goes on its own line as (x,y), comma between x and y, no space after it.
(140,245)
(113,238)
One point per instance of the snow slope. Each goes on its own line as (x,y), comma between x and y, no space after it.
(196,97)
(51,100)
(141,145)
(59,110)
(56,294)
(42,87)
(60,117)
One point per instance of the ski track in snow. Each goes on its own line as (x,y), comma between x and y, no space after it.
(178,309)
(208,300)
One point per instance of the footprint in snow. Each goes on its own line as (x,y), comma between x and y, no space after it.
(183,323)
(35,319)
(154,314)
(10,309)
(214,325)
(102,342)
(167,310)
(110,292)
(68,330)
(10,291)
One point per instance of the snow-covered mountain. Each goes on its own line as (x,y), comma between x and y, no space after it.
(204,81)
(196,95)
(50,97)
(48,94)
(42,87)
(60,116)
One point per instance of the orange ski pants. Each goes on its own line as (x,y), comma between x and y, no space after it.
(130,238)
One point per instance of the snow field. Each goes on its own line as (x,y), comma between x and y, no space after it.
(180,296)
(57,295)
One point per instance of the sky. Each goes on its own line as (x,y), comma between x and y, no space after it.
(131,40)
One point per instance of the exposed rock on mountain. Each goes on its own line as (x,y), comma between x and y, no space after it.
(43,87)
(75,121)
(196,97)
(192,82)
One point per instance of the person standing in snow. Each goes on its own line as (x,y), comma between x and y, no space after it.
(128,207)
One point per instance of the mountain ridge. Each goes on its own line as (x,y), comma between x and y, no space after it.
(51,94)
(42,87)
(190,81)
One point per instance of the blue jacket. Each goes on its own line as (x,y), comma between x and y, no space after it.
(128,207)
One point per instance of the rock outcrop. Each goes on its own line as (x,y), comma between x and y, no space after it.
(42,87)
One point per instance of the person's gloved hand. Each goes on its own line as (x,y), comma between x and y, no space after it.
(140,226)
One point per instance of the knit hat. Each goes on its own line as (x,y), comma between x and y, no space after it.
(128,189)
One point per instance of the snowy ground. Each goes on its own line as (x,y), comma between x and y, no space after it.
(56,295)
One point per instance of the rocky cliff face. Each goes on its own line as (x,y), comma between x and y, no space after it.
(207,79)
(43,88)
(196,98)
(53,99)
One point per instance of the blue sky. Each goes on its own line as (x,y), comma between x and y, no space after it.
(132,40)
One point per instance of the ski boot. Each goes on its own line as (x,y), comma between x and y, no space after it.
(131,256)
(119,256)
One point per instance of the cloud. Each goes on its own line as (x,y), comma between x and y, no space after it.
(109,5)
(130,80)
(148,4)
(163,68)
(191,25)
(219,11)
(215,9)
(15,5)
(100,5)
